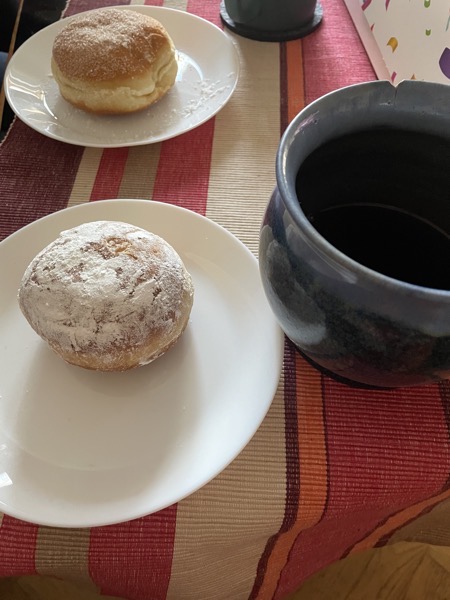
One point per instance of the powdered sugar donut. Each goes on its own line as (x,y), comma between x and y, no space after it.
(107,295)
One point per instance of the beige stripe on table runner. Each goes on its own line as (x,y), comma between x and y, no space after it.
(247,134)
(138,177)
(140,170)
(64,553)
(222,529)
(178,4)
(87,172)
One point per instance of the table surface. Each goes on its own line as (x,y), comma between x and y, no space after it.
(333,469)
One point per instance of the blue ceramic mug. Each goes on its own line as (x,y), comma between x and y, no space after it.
(355,243)
(271,20)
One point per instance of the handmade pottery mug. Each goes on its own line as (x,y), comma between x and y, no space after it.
(271,20)
(355,243)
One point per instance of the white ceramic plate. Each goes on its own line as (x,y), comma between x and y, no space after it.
(81,448)
(208,73)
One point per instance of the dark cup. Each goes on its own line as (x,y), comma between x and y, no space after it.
(355,243)
(271,20)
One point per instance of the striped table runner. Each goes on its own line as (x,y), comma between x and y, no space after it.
(333,469)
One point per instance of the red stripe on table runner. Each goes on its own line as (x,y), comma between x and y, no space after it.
(37,187)
(444,391)
(334,55)
(134,559)
(17,547)
(77,6)
(182,177)
(385,530)
(292,473)
(109,175)
(206,10)
(384,457)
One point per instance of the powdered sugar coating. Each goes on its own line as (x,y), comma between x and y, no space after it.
(107,44)
(107,292)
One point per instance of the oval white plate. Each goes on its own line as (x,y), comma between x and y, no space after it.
(81,448)
(208,73)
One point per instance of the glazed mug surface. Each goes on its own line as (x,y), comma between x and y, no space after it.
(271,20)
(355,243)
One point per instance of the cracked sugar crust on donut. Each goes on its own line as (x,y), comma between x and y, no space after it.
(113,61)
(107,44)
(107,295)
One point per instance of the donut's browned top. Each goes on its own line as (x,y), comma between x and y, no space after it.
(107,44)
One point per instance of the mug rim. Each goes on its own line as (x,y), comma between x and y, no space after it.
(389,93)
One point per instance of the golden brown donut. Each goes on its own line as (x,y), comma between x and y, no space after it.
(107,296)
(113,61)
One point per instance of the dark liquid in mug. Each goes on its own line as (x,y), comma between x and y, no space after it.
(382,197)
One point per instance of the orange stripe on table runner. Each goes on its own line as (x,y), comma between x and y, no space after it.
(387,451)
(292,87)
(295,78)
(312,444)
(398,520)
(17,547)
(312,471)
(109,174)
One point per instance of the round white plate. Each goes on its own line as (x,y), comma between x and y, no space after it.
(208,70)
(81,448)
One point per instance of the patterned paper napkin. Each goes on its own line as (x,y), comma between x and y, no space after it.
(410,37)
